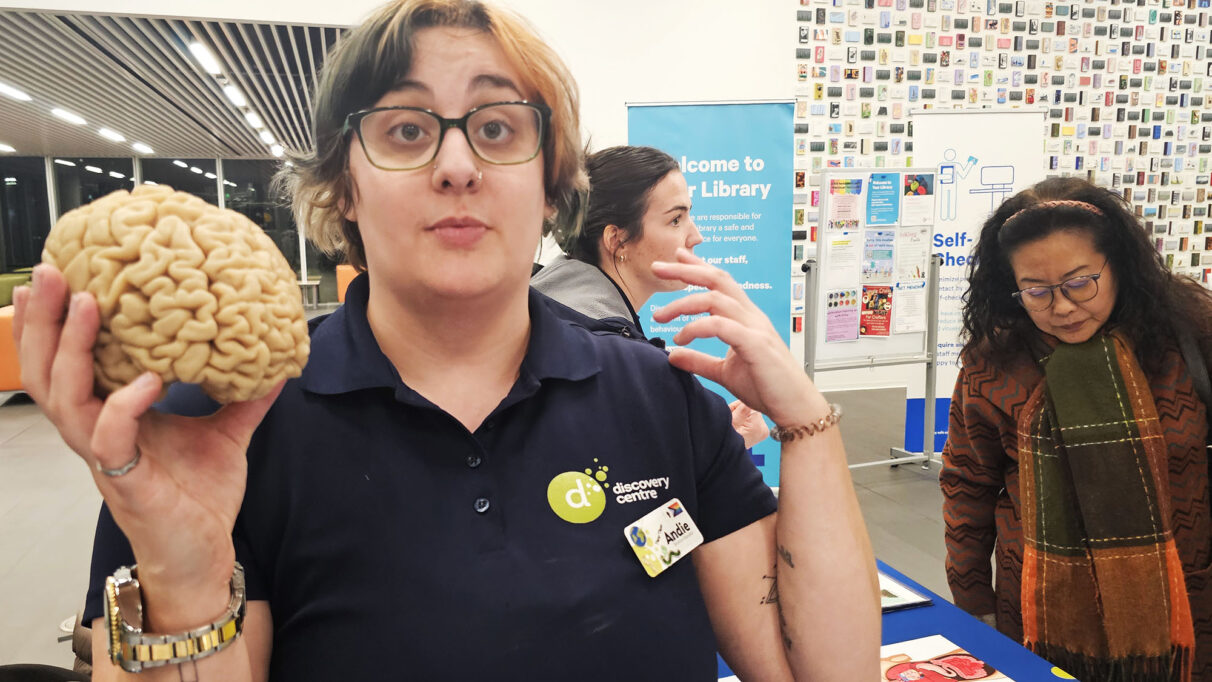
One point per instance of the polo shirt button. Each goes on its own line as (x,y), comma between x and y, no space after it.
(490,425)
(482,504)
(474,461)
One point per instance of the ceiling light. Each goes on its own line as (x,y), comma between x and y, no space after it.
(92,169)
(150,182)
(276,150)
(111,135)
(288,164)
(254,120)
(65,162)
(116,174)
(229,183)
(195,169)
(10,181)
(68,116)
(267,137)
(180,163)
(205,58)
(6,149)
(10,91)
(142,148)
(235,96)
(210,175)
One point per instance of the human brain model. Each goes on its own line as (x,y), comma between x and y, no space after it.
(187,290)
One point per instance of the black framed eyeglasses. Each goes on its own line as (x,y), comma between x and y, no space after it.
(406,138)
(1077,289)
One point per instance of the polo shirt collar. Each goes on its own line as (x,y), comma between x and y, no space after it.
(345,356)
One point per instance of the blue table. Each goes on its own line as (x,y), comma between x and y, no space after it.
(944,618)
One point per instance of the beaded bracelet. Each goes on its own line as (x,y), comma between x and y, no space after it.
(784,434)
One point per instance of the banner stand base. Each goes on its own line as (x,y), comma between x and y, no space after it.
(897,457)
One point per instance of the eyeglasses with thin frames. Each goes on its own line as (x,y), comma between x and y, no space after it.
(407,138)
(1077,289)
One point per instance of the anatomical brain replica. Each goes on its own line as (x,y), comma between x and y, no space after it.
(187,290)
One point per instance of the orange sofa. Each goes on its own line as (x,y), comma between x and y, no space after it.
(10,371)
(345,275)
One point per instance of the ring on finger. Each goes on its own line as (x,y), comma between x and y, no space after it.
(122,470)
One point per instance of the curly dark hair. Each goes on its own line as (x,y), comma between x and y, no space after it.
(1152,301)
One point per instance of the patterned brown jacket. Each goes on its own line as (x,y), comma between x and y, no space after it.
(981,492)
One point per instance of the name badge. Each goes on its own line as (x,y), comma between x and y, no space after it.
(663,537)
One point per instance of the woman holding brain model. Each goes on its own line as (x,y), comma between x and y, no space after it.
(433,497)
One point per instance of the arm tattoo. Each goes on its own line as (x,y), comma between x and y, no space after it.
(783,627)
(786,556)
(772,597)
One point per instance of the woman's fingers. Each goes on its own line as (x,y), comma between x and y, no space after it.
(695,362)
(725,329)
(712,302)
(71,375)
(114,437)
(693,270)
(20,298)
(42,324)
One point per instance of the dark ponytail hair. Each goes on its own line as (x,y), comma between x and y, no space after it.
(620,182)
(1151,301)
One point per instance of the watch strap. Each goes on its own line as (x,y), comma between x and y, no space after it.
(134,651)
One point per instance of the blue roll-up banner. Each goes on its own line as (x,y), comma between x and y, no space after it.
(737,159)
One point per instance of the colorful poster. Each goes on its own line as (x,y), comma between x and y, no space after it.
(933,659)
(917,202)
(845,204)
(877,256)
(883,199)
(876,313)
(737,161)
(841,315)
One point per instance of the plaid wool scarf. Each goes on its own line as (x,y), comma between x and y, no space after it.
(1103,594)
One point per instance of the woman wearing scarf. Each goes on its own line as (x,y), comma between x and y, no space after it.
(1076,455)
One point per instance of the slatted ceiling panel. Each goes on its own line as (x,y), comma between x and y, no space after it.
(147,48)
(132,49)
(135,75)
(57,82)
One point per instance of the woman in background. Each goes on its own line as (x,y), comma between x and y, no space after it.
(1076,454)
(638,212)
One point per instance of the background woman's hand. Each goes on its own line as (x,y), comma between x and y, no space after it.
(758,367)
(749,423)
(178,505)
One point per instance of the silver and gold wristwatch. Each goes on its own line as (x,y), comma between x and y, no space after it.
(135,651)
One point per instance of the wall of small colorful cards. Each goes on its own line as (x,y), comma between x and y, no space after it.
(1123,87)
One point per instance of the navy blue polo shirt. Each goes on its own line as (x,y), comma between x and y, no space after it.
(392,543)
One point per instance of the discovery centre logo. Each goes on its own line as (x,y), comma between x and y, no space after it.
(578,497)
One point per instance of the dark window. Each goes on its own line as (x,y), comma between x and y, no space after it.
(24,210)
(80,181)
(246,190)
(196,176)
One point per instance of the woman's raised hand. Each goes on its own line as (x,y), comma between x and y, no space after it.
(758,367)
(178,504)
